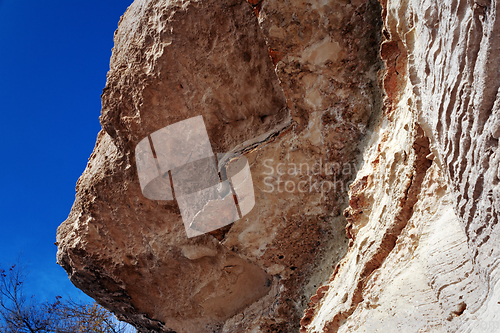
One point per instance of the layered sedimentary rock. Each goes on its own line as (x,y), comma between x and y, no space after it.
(400,98)
(291,86)
(423,254)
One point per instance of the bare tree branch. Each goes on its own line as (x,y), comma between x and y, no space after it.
(19,314)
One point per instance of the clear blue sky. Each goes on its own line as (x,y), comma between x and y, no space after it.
(54,56)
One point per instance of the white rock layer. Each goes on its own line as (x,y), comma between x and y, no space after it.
(441,273)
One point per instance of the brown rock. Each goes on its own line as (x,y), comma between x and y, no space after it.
(176,60)
(170,62)
(293,86)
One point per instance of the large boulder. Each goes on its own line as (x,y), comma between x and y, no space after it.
(293,88)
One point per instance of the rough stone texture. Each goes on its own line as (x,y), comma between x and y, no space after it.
(300,122)
(293,85)
(424,253)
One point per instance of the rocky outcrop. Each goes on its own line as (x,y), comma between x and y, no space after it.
(423,214)
(410,245)
(294,93)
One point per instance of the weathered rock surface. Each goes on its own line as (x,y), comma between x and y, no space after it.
(267,85)
(294,86)
(424,251)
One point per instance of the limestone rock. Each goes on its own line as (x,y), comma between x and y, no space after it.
(424,254)
(400,98)
(296,111)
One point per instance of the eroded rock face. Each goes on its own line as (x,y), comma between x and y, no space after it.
(294,93)
(294,87)
(423,250)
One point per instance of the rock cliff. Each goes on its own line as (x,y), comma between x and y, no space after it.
(371,131)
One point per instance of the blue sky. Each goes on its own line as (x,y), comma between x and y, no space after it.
(54,56)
